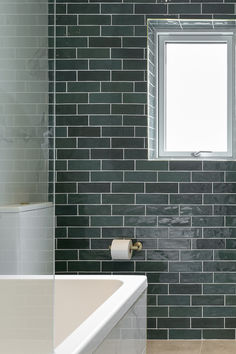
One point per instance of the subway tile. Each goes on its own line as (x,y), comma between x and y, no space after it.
(225,278)
(149,232)
(222,289)
(196,278)
(84,199)
(94,75)
(174,221)
(117,8)
(218,8)
(105,64)
(118,198)
(105,120)
(224,311)
(106,221)
(208,221)
(93,53)
(208,300)
(88,266)
(116,232)
(162,210)
(184,8)
(150,9)
(135,65)
(71,42)
(225,255)
(128,20)
(218,334)
(72,176)
(208,244)
(72,244)
(152,198)
(224,187)
(117,30)
(163,277)
(83,165)
(140,221)
(128,210)
(118,266)
(161,188)
(106,176)
(196,255)
(208,176)
(174,176)
(230,300)
(127,187)
(83,31)
(94,19)
(157,311)
(186,199)
(83,86)
(94,210)
(184,334)
(185,289)
(152,266)
(115,154)
(93,142)
(82,8)
(184,311)
(195,187)
(195,210)
(83,232)
(219,232)
(127,75)
(219,266)
(140,176)
(152,165)
(117,86)
(173,322)
(162,255)
(93,187)
(219,165)
(174,244)
(109,42)
(156,334)
(185,266)
(219,199)
(207,322)
(157,289)
(127,142)
(127,53)
(230,322)
(134,98)
(173,300)
(185,232)
(185,165)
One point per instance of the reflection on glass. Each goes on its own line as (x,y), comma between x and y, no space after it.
(26,215)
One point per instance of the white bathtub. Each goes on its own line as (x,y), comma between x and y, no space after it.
(100,314)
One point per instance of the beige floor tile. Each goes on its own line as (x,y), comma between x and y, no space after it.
(219,347)
(173,347)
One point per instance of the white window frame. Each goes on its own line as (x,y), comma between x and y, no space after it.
(192,37)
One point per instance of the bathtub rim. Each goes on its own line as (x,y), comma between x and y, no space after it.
(99,324)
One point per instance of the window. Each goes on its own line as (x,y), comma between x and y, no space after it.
(191,95)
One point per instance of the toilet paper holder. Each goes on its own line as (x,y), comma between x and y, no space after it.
(137,246)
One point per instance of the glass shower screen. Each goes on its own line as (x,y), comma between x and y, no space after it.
(26,176)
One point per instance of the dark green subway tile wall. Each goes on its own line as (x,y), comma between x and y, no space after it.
(184,212)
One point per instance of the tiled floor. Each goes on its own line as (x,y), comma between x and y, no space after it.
(191,347)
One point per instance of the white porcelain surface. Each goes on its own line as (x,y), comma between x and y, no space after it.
(110,319)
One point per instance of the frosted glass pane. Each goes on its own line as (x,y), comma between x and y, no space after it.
(196,97)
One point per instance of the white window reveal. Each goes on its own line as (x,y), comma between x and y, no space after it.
(193,95)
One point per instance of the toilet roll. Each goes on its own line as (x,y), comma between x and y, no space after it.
(121,249)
